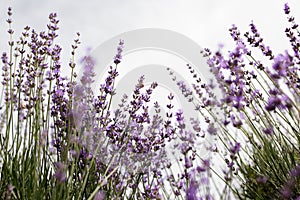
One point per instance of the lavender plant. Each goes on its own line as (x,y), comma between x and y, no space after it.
(257,117)
(59,140)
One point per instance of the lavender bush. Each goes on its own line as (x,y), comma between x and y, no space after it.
(60,140)
(257,117)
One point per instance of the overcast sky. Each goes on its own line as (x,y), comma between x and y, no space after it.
(204,21)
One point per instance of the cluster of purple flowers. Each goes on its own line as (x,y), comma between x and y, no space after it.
(261,105)
(126,145)
(81,148)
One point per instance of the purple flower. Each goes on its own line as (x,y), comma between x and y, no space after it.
(88,72)
(99,196)
(261,179)
(238,102)
(286,193)
(180,120)
(286,9)
(188,162)
(236,122)
(212,130)
(296,172)
(118,56)
(281,64)
(236,148)
(192,190)
(60,173)
(268,131)
(273,103)
(256,40)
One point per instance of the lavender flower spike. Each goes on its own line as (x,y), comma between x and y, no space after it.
(118,57)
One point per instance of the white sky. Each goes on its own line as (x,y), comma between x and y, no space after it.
(206,22)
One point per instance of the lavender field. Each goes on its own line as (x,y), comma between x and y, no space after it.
(224,126)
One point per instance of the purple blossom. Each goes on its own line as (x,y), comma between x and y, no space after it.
(261,179)
(281,64)
(256,40)
(99,196)
(286,9)
(286,193)
(180,120)
(273,103)
(237,123)
(268,131)
(60,173)
(188,162)
(236,148)
(88,70)
(212,130)
(192,190)
(118,56)
(238,101)
(295,172)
